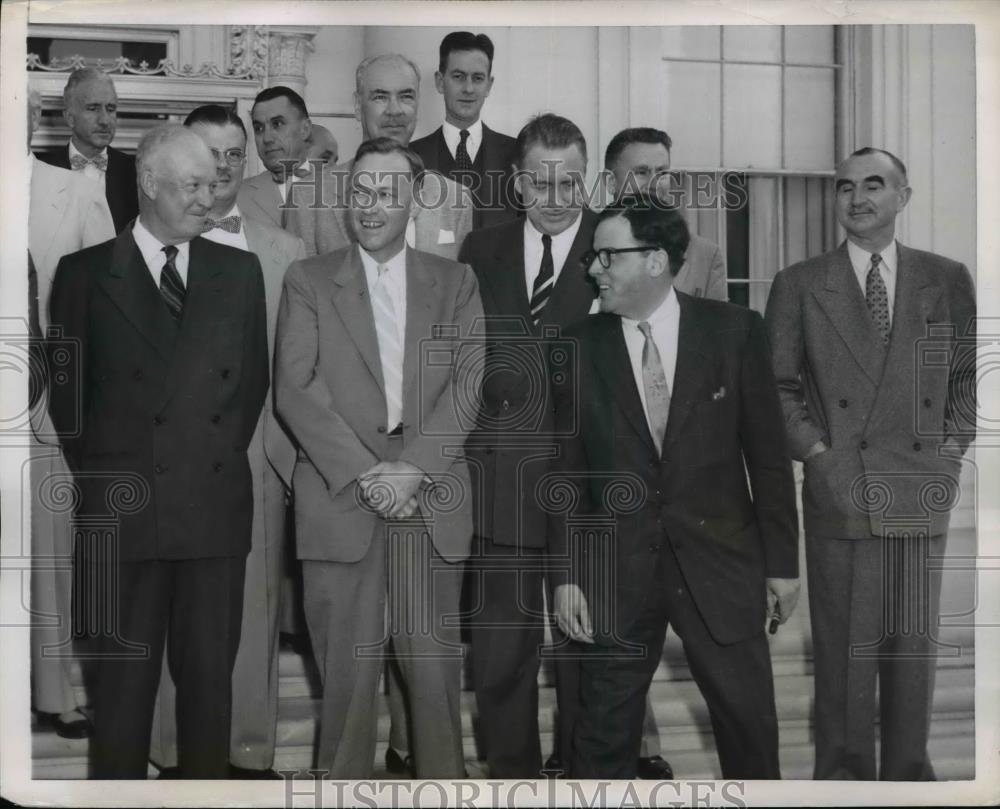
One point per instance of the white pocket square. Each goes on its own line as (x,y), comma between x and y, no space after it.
(719,394)
(446,237)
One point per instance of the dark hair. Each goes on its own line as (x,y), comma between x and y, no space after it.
(214,114)
(391,146)
(551,131)
(636,134)
(896,162)
(653,222)
(464,41)
(280,91)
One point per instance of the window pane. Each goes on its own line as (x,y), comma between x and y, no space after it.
(757,43)
(752,117)
(691,41)
(809,127)
(693,127)
(809,43)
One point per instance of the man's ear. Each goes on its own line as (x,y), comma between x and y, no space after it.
(307,129)
(904,196)
(439,81)
(147,182)
(657,263)
(357,105)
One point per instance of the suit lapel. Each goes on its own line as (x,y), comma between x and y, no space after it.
(844,304)
(55,200)
(353,304)
(130,286)
(265,198)
(614,368)
(420,310)
(691,373)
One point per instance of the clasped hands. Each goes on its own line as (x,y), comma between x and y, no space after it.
(390,488)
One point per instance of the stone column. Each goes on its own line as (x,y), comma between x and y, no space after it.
(288,48)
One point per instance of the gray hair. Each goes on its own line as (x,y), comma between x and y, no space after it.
(359,75)
(148,155)
(81,76)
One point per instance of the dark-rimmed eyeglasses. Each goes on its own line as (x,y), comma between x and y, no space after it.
(234,157)
(605,253)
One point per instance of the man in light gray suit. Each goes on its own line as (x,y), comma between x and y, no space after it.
(874,354)
(639,160)
(272,457)
(385,102)
(376,375)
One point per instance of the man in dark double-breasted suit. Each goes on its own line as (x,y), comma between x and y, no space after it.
(668,414)
(167,376)
(874,355)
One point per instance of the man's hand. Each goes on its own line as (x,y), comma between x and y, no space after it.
(782,596)
(572,614)
(390,488)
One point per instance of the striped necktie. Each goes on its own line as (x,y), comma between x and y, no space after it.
(543,281)
(654,381)
(877,298)
(390,348)
(171,285)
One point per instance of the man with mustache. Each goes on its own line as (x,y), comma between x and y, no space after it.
(879,425)
(91,111)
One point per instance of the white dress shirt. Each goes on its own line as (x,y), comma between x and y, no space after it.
(152,253)
(395,281)
(452,137)
(861,261)
(533,250)
(665,325)
(90,170)
(220,236)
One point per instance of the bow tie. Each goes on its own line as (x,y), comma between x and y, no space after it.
(230,224)
(79,162)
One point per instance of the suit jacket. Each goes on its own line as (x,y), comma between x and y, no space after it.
(156,414)
(704,272)
(442,221)
(513,444)
(884,412)
(328,380)
(493,190)
(724,412)
(260,200)
(276,250)
(119,183)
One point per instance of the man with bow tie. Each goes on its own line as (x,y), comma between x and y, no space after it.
(673,444)
(272,456)
(91,111)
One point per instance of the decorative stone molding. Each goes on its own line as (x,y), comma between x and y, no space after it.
(288,49)
(165,67)
(248,47)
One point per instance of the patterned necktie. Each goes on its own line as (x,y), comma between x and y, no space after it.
(390,348)
(230,224)
(171,285)
(654,380)
(878,298)
(543,281)
(462,160)
(78,162)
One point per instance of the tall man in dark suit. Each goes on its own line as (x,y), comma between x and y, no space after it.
(167,380)
(531,282)
(91,111)
(376,375)
(463,147)
(672,398)
(878,426)
(272,457)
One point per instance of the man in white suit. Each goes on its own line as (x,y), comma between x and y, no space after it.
(67,212)
(272,457)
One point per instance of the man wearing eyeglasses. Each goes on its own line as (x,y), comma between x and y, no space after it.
(671,400)
(272,457)
(532,285)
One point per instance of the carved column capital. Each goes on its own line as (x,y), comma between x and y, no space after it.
(288,48)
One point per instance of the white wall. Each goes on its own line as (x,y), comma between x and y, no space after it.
(337,49)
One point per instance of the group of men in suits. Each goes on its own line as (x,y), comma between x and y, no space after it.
(429,415)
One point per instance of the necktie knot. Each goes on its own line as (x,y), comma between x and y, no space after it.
(876,260)
(546,241)
(170,250)
(646,329)
(230,224)
(78,162)
(464,135)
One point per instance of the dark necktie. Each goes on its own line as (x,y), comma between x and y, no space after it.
(462,160)
(543,281)
(878,298)
(171,285)
(654,381)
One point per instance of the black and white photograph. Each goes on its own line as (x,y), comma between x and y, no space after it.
(499,404)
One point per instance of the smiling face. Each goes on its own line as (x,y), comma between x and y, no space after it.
(280,132)
(381,203)
(220,139)
(870,193)
(178,190)
(465,84)
(636,283)
(551,183)
(386,102)
(92,114)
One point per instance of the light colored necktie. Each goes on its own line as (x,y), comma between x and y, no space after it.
(654,380)
(78,162)
(230,224)
(390,348)
(877,298)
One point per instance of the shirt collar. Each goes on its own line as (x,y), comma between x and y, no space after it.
(668,310)
(567,236)
(151,247)
(861,259)
(452,135)
(396,265)
(74,151)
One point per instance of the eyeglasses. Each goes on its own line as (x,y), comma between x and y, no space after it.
(605,253)
(234,157)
